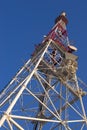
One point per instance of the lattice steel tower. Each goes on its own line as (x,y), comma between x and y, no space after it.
(46,93)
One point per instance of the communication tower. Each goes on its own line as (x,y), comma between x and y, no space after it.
(46,92)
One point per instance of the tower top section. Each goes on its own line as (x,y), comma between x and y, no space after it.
(62,17)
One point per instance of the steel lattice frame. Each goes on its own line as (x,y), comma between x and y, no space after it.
(46,92)
(43,96)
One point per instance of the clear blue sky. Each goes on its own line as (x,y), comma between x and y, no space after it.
(23,24)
